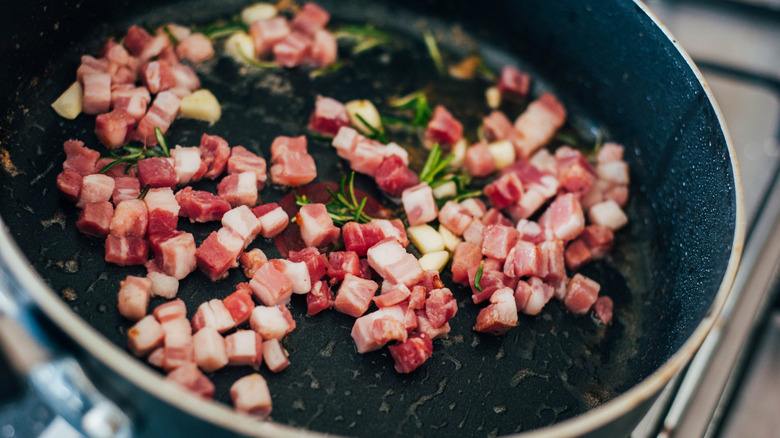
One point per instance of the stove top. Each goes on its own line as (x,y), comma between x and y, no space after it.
(730,388)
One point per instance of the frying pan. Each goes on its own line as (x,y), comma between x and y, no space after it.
(557,374)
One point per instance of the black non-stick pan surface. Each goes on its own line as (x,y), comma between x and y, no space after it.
(663,275)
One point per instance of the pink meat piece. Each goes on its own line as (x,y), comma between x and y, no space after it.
(214,152)
(564,217)
(271,286)
(239,189)
(498,240)
(479,160)
(504,191)
(123,75)
(267,33)
(292,50)
(537,124)
(95,188)
(243,222)
(184,78)
(131,218)
(213,314)
(581,294)
(210,354)
(157,46)
(161,222)
(157,357)
(284,144)
(552,256)
(297,273)
(598,239)
(577,255)
(126,251)
(417,297)
(373,330)
(294,169)
(395,294)
(244,347)
(250,395)
(466,256)
(136,39)
(179,348)
(410,354)
(316,225)
(270,322)
(133,297)
(144,336)
(361,237)
(603,308)
(91,65)
(218,253)
(393,176)
(310,19)
(316,263)
(443,128)
(494,217)
(274,356)
(157,76)
(497,126)
(354,295)
(475,232)
(175,253)
(455,218)
(69,183)
(115,53)
(367,156)
(191,378)
(425,327)
(125,188)
(97,93)
(525,259)
(538,294)
(341,263)
(491,281)
(171,310)
(329,117)
(530,231)
(79,158)
(419,204)
(440,307)
(391,261)
(95,219)
(575,174)
(156,172)
(319,298)
(513,82)
(239,304)
(133,101)
(162,199)
(186,163)
(242,160)
(274,221)
(195,48)
(500,315)
(114,128)
(345,141)
(201,206)
(160,115)
(324,49)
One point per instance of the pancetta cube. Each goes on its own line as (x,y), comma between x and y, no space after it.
(391,261)
(171,310)
(97,93)
(244,347)
(126,251)
(497,126)
(114,128)
(126,188)
(310,18)
(372,331)
(294,169)
(95,188)
(79,158)
(466,256)
(329,117)
(498,241)
(201,206)
(581,294)
(250,395)
(271,286)
(440,306)
(175,253)
(316,263)
(419,204)
(145,336)
(504,191)
(191,378)
(239,304)
(160,115)
(214,152)
(163,285)
(412,353)
(607,213)
(252,260)
(500,315)
(513,82)
(354,295)
(537,125)
(319,298)
(179,348)
(267,33)
(95,219)
(130,218)
(479,160)
(239,189)
(218,253)
(133,297)
(157,172)
(214,314)
(298,274)
(270,322)
(275,356)
(163,199)
(210,353)
(393,176)
(316,225)
(186,162)
(455,217)
(292,50)
(603,309)
(242,160)
(243,222)
(443,128)
(195,48)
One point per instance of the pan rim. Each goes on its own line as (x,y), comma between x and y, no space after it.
(121,362)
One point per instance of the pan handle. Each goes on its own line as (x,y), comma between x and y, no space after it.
(60,381)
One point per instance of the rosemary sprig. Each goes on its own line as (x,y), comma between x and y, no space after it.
(222,28)
(343,206)
(434,165)
(255,62)
(377,133)
(338,65)
(419,103)
(170,34)
(321,137)
(431,174)
(433,51)
(478,276)
(143,193)
(364,37)
(135,153)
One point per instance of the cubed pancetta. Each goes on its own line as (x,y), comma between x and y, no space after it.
(391,261)
(133,298)
(419,204)
(316,225)
(250,395)
(354,295)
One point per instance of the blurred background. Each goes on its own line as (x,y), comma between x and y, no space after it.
(732,387)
